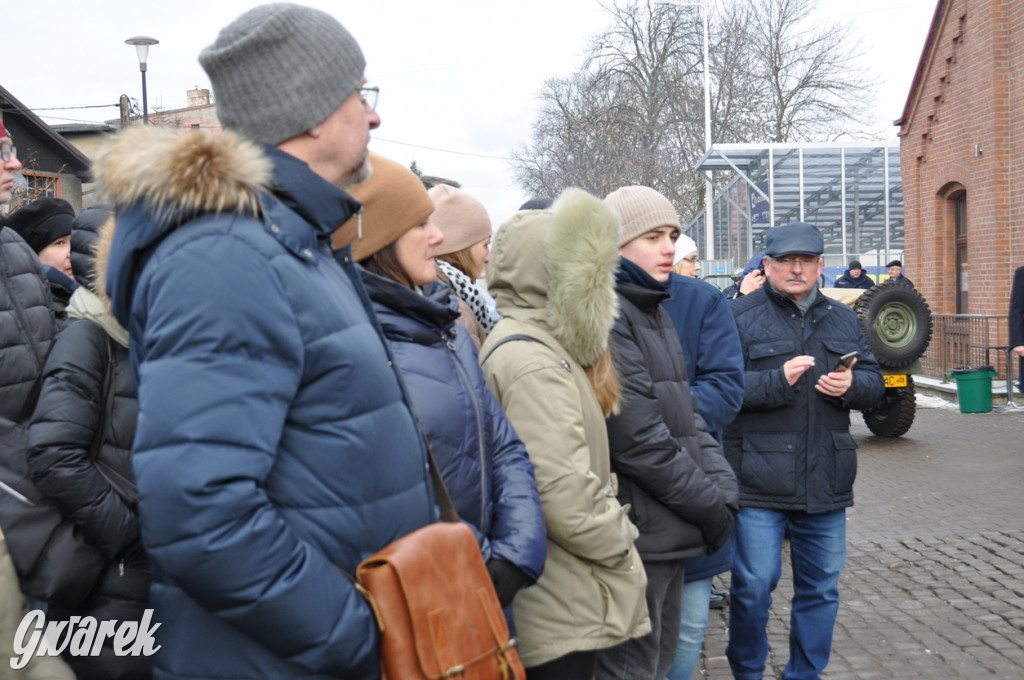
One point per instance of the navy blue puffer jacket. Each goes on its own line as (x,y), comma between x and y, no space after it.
(791,445)
(484,465)
(848,280)
(275,445)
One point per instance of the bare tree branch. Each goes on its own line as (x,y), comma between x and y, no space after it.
(633,113)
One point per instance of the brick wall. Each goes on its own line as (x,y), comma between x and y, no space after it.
(961,132)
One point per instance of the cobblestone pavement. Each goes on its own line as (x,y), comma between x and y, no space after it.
(934,579)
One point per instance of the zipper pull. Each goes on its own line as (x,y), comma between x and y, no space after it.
(120,568)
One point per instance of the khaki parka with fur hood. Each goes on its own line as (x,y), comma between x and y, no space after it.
(591,593)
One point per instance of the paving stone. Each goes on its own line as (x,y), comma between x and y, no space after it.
(934,579)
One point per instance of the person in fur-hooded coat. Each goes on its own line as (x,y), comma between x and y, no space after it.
(556,390)
(275,445)
(87,385)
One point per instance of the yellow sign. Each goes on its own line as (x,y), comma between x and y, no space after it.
(895,380)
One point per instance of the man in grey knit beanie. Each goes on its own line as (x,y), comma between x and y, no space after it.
(280,447)
(280,72)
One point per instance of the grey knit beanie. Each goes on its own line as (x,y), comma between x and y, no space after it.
(280,69)
(641,209)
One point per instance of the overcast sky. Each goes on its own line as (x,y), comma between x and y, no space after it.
(458,78)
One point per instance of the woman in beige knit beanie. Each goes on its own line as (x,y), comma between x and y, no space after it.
(463,257)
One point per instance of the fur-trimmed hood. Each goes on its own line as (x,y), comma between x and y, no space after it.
(91,301)
(176,174)
(570,289)
(158,179)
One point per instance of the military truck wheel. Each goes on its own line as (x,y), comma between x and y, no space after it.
(894,415)
(896,323)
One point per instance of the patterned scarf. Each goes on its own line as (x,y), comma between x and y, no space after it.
(468,292)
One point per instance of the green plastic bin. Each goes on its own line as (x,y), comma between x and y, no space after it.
(974,388)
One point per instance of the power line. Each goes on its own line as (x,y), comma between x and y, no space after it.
(390,141)
(432,148)
(72,108)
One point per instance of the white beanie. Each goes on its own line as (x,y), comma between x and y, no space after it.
(684,246)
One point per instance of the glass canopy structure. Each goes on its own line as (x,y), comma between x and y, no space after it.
(852,192)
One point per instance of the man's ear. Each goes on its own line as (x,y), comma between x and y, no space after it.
(316,131)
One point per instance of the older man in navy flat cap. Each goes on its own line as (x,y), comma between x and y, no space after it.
(791,448)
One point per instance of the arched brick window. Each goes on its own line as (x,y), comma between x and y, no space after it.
(954,217)
(958,205)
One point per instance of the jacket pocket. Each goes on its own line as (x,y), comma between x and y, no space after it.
(771,354)
(835,348)
(844,460)
(623,601)
(768,466)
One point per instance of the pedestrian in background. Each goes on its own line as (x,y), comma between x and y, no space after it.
(483,463)
(464,254)
(1015,322)
(854,277)
(672,475)
(45,224)
(792,450)
(895,268)
(687,263)
(547,362)
(275,445)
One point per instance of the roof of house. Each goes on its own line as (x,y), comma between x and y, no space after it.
(19,116)
(922,65)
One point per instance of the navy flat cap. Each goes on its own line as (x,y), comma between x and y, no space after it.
(795,238)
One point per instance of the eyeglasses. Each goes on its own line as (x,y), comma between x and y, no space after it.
(793,261)
(369,96)
(7,152)
(693,259)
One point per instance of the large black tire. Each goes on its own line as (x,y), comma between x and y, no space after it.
(894,415)
(896,322)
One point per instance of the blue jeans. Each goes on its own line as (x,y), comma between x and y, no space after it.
(694,619)
(818,551)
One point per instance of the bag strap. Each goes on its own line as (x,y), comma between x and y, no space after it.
(444,499)
(106,414)
(510,338)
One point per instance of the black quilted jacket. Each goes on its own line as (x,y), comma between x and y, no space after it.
(98,495)
(670,470)
(790,445)
(27,323)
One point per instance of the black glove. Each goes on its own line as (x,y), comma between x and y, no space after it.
(717,533)
(507,579)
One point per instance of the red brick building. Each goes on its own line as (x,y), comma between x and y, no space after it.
(962,157)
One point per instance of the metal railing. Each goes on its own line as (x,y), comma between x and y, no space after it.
(965,340)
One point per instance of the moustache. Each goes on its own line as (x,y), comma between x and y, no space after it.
(797,277)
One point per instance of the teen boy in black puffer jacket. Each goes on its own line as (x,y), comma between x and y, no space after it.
(671,472)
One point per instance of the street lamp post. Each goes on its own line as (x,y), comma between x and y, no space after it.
(142,43)
(709,232)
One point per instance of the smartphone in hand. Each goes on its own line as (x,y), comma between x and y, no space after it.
(845,361)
